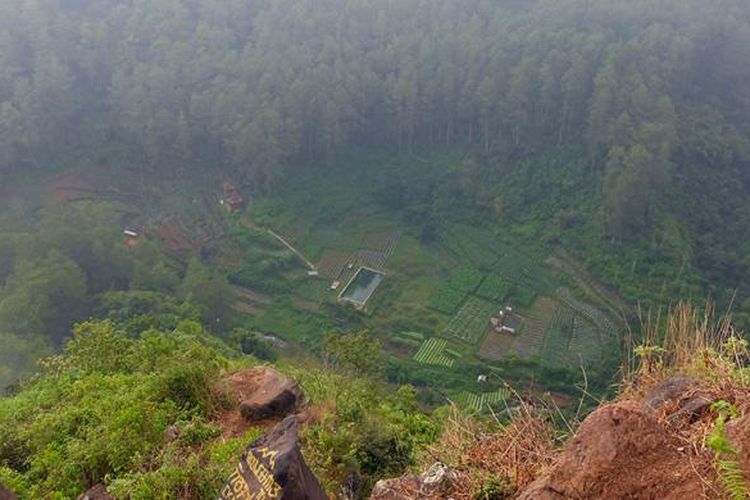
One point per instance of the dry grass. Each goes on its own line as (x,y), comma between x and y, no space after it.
(515,453)
(688,341)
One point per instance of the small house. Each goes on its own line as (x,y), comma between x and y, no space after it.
(131,236)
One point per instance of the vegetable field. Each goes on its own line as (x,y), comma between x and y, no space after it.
(446,299)
(472,320)
(432,352)
(494,287)
(481,400)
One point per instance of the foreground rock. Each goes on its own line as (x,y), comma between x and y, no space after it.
(433,484)
(273,467)
(263,392)
(622,450)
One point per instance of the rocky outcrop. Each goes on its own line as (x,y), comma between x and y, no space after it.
(622,450)
(679,398)
(263,392)
(433,484)
(273,467)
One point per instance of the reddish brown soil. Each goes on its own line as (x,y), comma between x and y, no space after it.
(624,451)
(172,239)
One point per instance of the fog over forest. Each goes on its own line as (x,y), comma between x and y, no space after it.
(217,178)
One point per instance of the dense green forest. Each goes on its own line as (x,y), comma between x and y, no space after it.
(650,96)
(619,129)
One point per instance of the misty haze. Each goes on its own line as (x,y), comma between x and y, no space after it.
(387,249)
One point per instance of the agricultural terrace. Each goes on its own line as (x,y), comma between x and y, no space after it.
(471,322)
(481,401)
(446,286)
(435,352)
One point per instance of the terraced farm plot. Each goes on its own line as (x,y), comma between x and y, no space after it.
(496,345)
(465,278)
(471,322)
(585,345)
(331,263)
(249,301)
(383,242)
(432,352)
(446,299)
(494,287)
(480,401)
(530,340)
(588,311)
(460,241)
(558,336)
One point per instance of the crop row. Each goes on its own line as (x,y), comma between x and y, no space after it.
(472,320)
(410,335)
(481,400)
(588,311)
(494,287)
(432,352)
(446,299)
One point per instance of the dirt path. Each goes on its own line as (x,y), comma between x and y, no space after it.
(290,247)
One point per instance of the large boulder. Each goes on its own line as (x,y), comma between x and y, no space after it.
(273,467)
(621,451)
(263,392)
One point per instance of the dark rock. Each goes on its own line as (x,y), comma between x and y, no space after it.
(351,486)
(679,397)
(97,492)
(6,494)
(264,393)
(273,467)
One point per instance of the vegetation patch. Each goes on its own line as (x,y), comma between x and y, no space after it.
(530,340)
(481,401)
(472,320)
(433,352)
(494,287)
(446,299)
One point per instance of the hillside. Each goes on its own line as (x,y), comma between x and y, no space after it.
(611,120)
(407,248)
(130,417)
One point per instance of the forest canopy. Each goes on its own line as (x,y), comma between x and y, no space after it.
(646,102)
(644,88)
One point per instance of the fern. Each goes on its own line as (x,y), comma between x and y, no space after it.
(728,469)
(732,479)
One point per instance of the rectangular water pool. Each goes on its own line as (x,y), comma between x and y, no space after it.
(362,286)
